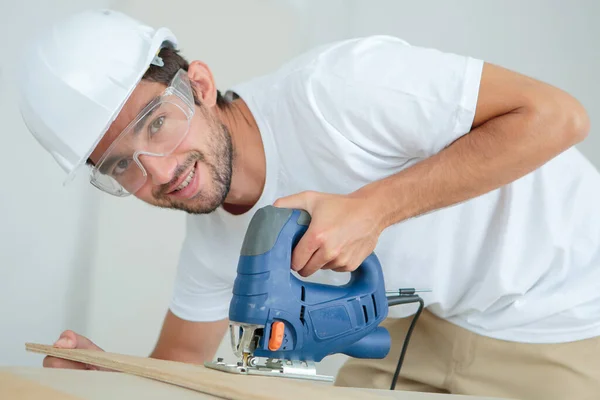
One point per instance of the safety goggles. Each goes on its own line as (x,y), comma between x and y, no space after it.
(157,130)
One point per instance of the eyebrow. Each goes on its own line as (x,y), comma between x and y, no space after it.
(141,121)
(138,125)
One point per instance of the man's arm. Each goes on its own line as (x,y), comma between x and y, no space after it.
(520,123)
(190,342)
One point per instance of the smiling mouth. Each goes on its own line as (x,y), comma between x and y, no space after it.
(184,182)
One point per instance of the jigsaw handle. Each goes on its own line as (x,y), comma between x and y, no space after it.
(267,225)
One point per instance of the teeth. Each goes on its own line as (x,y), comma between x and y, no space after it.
(186,181)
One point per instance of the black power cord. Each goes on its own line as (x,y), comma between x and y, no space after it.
(405,296)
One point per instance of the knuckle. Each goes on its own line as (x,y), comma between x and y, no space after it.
(310,196)
(343,264)
(318,239)
(333,253)
(352,266)
(341,261)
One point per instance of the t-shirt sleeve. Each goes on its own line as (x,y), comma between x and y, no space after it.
(395,99)
(198,294)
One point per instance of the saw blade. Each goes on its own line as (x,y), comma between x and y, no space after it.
(277,368)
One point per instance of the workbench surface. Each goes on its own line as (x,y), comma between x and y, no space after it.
(26,383)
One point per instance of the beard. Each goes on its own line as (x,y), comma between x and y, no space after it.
(219,160)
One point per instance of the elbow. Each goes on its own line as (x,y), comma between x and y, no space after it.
(565,118)
(576,121)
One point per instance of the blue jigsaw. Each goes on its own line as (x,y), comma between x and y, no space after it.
(282,325)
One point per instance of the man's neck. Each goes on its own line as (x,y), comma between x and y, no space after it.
(249,165)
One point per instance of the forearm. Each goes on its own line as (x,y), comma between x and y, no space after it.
(196,353)
(494,154)
(189,342)
(181,354)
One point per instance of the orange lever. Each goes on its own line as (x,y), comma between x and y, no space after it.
(277,330)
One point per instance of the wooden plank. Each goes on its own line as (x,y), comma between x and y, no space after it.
(15,387)
(216,384)
(205,380)
(98,385)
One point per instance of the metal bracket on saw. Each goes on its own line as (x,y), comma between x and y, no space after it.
(272,367)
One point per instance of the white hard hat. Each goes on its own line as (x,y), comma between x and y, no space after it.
(77,76)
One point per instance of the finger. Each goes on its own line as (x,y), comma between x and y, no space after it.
(344,263)
(297,201)
(67,340)
(55,362)
(302,253)
(324,254)
(304,250)
(316,262)
(71,340)
(337,263)
(347,267)
(85,343)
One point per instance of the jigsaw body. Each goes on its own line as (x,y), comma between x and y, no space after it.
(293,323)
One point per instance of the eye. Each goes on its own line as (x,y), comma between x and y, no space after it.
(156,125)
(121,167)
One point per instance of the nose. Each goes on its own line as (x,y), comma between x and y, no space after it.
(160,169)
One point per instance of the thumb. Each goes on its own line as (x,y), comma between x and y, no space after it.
(71,340)
(67,340)
(300,201)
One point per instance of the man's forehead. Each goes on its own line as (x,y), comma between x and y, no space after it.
(144,93)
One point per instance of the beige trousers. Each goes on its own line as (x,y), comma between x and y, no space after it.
(444,358)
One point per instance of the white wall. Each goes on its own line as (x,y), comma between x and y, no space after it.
(124,251)
(47,232)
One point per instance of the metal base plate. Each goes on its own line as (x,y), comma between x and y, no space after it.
(278,368)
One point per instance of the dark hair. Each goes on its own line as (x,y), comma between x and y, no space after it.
(173,62)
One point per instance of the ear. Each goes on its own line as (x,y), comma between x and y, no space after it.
(203,83)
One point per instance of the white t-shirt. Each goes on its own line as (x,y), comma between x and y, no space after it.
(519,263)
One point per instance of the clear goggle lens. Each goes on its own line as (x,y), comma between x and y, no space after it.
(156,131)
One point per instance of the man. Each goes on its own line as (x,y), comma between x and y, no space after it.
(459,174)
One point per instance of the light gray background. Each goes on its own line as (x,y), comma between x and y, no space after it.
(71,257)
